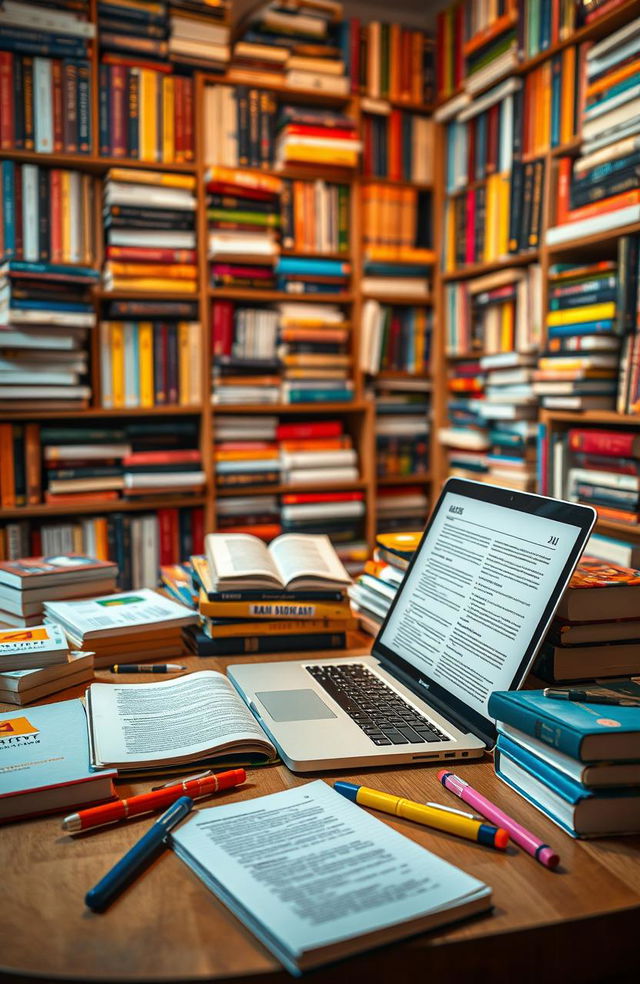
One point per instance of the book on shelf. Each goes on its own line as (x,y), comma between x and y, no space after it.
(391,62)
(45,765)
(201,717)
(440,892)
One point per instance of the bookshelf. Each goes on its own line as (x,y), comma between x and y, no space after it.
(585,249)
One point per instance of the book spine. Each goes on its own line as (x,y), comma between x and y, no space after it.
(104,111)
(551,732)
(276,643)
(70,84)
(83,98)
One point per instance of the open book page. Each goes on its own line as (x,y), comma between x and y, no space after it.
(239,555)
(172,721)
(335,873)
(302,556)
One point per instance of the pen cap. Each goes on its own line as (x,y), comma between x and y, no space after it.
(347,789)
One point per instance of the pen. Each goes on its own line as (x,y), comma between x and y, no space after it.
(520,835)
(108,888)
(98,816)
(590,698)
(176,782)
(147,668)
(440,819)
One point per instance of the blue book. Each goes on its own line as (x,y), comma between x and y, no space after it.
(320,396)
(45,761)
(556,97)
(606,327)
(32,267)
(27,42)
(8,248)
(34,305)
(322,268)
(375,269)
(587,732)
(579,811)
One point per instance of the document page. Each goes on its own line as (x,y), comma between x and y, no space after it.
(305,868)
(470,605)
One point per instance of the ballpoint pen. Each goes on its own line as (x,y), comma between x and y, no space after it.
(147,668)
(588,697)
(108,888)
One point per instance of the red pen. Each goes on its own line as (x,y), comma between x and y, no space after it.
(97,816)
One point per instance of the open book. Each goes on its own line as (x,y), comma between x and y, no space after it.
(317,878)
(154,726)
(294,561)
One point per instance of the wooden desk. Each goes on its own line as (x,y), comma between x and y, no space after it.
(577,924)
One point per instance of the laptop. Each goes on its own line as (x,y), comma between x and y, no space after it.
(468,619)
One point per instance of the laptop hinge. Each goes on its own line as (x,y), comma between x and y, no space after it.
(426,694)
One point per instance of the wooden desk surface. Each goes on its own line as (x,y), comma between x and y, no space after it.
(578,923)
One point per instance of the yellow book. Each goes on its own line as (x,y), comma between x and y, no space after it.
(590,312)
(505,194)
(117,363)
(184,396)
(407,254)
(152,178)
(168,271)
(148,115)
(490,224)
(321,155)
(65,212)
(273,609)
(168,110)
(506,327)
(291,626)
(195,363)
(100,529)
(145,348)
(152,283)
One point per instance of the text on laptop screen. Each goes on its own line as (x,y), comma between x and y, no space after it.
(471,602)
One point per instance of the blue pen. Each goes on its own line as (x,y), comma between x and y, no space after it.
(109,887)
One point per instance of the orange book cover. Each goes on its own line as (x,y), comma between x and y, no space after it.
(317,444)
(594,573)
(32,463)
(606,205)
(312,335)
(7,470)
(169,271)
(219,174)
(246,454)
(492,30)
(612,78)
(52,498)
(568,90)
(565,165)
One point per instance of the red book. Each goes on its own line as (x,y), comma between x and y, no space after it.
(304,130)
(471,150)
(299,497)
(493,119)
(227,188)
(233,270)
(555,21)
(7,467)
(354,52)
(149,255)
(197,530)
(316,428)
(178,123)
(118,111)
(7,122)
(565,166)
(603,11)
(222,328)
(614,444)
(188,456)
(57,103)
(168,535)
(56,216)
(68,500)
(111,59)
(394,155)
(189,146)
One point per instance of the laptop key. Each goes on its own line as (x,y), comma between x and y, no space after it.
(396,738)
(380,741)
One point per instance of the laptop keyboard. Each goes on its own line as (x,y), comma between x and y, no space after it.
(375,707)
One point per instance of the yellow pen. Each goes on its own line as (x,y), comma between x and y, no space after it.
(461,826)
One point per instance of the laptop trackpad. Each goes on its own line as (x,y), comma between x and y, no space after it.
(294,705)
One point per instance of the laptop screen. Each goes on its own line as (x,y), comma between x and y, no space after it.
(480,591)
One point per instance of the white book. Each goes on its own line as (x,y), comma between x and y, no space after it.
(159,480)
(596,65)
(610,120)
(106,375)
(43,105)
(612,480)
(509,377)
(118,614)
(331,143)
(75,217)
(25,686)
(199,30)
(507,360)
(308,510)
(44,646)
(130,330)
(452,107)
(18,376)
(34,338)
(148,196)
(622,148)
(30,217)
(492,72)
(85,452)
(606,105)
(457,437)
(295,561)
(317,82)
(578,403)
(395,286)
(614,40)
(45,392)
(628,129)
(508,411)
(73,319)
(174,239)
(597,223)
(484,102)
(306,476)
(250,467)
(46,20)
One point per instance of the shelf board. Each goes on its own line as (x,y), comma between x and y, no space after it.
(355,406)
(316,254)
(619,529)
(478,269)
(396,183)
(97,413)
(391,374)
(316,486)
(594,242)
(303,95)
(46,510)
(96,165)
(414,300)
(592,417)
(248,295)
(390,480)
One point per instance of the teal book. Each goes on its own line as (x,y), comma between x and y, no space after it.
(44,761)
(587,732)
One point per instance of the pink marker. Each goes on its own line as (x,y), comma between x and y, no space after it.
(523,837)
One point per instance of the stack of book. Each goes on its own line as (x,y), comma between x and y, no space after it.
(495,313)
(133,28)
(510,408)
(314,348)
(576,762)
(46,312)
(596,629)
(579,369)
(315,216)
(392,62)
(628,324)
(258,515)
(394,338)
(338,514)
(401,508)
(162,472)
(402,427)
(398,145)
(600,190)
(316,453)
(396,225)
(296,44)
(466,436)
(258,599)
(491,48)
(246,366)
(47,214)
(377,586)
(625,553)
(27,582)
(306,275)
(199,35)
(146,112)
(239,126)
(46,78)
(243,457)
(311,137)
(602,468)
(37,661)
(142,208)
(243,213)
(126,627)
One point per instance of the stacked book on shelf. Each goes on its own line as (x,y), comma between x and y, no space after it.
(199,35)
(575,761)
(490,48)
(397,238)
(395,339)
(45,78)
(510,409)
(257,515)
(401,508)
(26,582)
(243,212)
(466,435)
(311,275)
(374,590)
(315,216)
(125,627)
(598,467)
(495,313)
(392,62)
(139,28)
(402,426)
(46,313)
(290,595)
(246,366)
(315,352)
(37,662)
(144,210)
(316,453)
(246,451)
(586,307)
(307,137)
(295,44)
(398,145)
(599,190)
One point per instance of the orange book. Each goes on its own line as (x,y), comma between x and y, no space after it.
(298,212)
(568,90)
(218,174)
(101,528)
(169,271)
(606,205)
(417,48)
(313,335)
(266,531)
(151,178)
(493,30)
(245,454)
(32,463)
(385,254)
(53,499)
(394,61)
(612,78)
(7,470)
(317,444)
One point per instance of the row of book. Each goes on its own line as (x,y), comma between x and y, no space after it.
(398,145)
(243,217)
(66,465)
(338,514)
(402,426)
(392,62)
(315,216)
(399,220)
(395,338)
(47,214)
